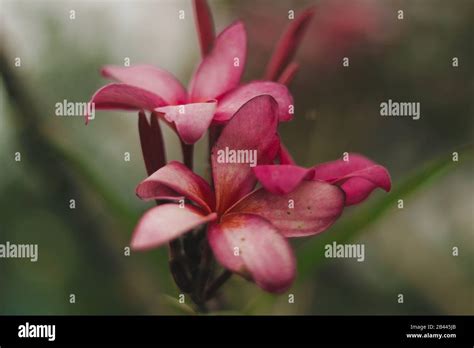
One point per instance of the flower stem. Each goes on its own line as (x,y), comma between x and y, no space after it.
(218,282)
(201,277)
(151,141)
(213,135)
(177,264)
(188,152)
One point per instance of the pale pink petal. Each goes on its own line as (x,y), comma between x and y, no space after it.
(178,178)
(251,246)
(164,223)
(191,120)
(253,131)
(150,78)
(281,179)
(221,69)
(308,210)
(125,97)
(233,100)
(358,176)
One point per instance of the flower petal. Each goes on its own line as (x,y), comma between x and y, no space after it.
(233,100)
(191,120)
(204,25)
(150,78)
(358,176)
(281,179)
(164,223)
(125,97)
(251,246)
(220,71)
(308,210)
(151,139)
(285,156)
(252,131)
(287,45)
(176,177)
(289,73)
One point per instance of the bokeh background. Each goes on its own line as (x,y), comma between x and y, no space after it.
(81,251)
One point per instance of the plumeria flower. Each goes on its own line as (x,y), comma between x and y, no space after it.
(246,226)
(357,176)
(214,94)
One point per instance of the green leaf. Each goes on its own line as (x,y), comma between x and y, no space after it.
(311,254)
(180,308)
(120,211)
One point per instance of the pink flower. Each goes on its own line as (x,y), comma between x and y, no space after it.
(357,176)
(214,93)
(246,226)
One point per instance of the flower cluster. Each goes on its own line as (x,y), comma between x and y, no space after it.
(244,215)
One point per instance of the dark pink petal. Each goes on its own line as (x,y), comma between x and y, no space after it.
(125,97)
(205,25)
(150,78)
(251,246)
(308,210)
(288,74)
(287,45)
(191,120)
(151,140)
(281,179)
(233,100)
(220,71)
(285,156)
(358,176)
(253,132)
(176,177)
(166,222)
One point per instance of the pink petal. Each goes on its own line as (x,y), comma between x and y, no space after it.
(251,246)
(358,177)
(205,25)
(288,74)
(252,130)
(281,179)
(125,97)
(287,45)
(233,100)
(218,72)
(151,140)
(316,206)
(191,120)
(164,223)
(285,156)
(150,78)
(176,177)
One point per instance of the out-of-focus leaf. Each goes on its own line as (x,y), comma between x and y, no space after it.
(311,254)
(120,211)
(218,313)
(181,308)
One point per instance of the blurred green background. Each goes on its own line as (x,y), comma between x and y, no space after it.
(81,251)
